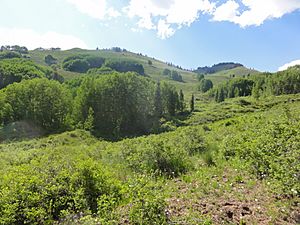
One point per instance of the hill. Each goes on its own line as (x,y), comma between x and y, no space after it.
(118,147)
(224,75)
(217,68)
(217,170)
(153,68)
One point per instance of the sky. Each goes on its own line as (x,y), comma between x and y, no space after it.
(260,34)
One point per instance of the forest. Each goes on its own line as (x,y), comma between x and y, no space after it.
(114,137)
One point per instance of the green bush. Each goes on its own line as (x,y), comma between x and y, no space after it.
(52,186)
(272,149)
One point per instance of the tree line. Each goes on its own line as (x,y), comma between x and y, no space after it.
(263,84)
(111,106)
(86,63)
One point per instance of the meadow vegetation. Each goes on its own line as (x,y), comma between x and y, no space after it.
(115,146)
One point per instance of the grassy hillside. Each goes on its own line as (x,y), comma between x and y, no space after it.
(154,71)
(218,169)
(224,75)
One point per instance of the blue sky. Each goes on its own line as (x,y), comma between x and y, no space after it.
(261,34)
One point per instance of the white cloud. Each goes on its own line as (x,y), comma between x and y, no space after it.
(257,11)
(32,39)
(97,9)
(287,65)
(164,30)
(166,16)
(227,11)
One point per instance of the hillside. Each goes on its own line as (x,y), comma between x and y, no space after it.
(224,75)
(218,73)
(217,68)
(187,176)
(111,145)
(154,71)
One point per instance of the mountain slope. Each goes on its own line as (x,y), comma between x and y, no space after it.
(153,68)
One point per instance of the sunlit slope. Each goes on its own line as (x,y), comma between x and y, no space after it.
(154,70)
(224,75)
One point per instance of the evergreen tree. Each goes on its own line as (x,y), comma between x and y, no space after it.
(158,102)
(255,91)
(221,97)
(217,95)
(192,103)
(181,101)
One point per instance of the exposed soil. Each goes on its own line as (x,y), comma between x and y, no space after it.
(239,205)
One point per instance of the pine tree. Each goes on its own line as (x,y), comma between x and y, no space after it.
(217,95)
(158,102)
(221,97)
(181,101)
(192,103)
(255,91)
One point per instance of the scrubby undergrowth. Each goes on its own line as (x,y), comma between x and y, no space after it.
(237,169)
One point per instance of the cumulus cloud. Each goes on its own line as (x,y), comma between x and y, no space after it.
(287,65)
(164,30)
(32,39)
(227,11)
(257,11)
(166,16)
(97,9)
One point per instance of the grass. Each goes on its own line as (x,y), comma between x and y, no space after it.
(189,86)
(224,75)
(177,177)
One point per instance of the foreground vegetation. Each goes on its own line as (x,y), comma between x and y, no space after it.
(244,169)
(119,145)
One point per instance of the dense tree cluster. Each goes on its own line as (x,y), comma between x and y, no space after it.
(50,60)
(15,70)
(205,85)
(126,66)
(173,75)
(82,63)
(101,70)
(283,82)
(124,104)
(14,48)
(94,64)
(112,106)
(9,55)
(44,102)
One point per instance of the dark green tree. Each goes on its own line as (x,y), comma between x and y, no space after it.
(181,104)
(200,77)
(192,103)
(221,95)
(50,60)
(167,72)
(205,85)
(44,102)
(158,101)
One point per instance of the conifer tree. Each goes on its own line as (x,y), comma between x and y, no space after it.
(158,102)
(181,101)
(192,103)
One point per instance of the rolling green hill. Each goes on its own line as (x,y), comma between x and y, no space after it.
(224,75)
(154,71)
